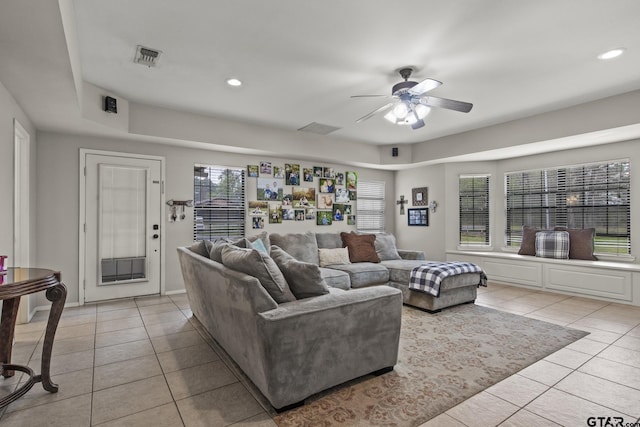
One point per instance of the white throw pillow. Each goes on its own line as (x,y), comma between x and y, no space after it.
(333,256)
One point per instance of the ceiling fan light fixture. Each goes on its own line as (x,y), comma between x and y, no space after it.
(422,110)
(391,117)
(401,109)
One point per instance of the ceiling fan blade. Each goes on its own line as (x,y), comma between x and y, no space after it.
(424,86)
(373,113)
(370,96)
(418,124)
(433,101)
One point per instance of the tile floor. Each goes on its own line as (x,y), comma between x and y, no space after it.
(144,362)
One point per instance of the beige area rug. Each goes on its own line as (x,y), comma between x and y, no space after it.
(444,359)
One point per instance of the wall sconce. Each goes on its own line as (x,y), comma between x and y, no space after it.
(173,209)
(433,205)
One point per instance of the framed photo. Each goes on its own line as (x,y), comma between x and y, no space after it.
(329,173)
(342,195)
(265,168)
(278,172)
(257,222)
(317,171)
(419,216)
(339,178)
(269,189)
(352,180)
(327,185)
(325,201)
(292,174)
(420,196)
(288,213)
(338,212)
(252,171)
(307,174)
(324,218)
(275,213)
(257,208)
(351,220)
(304,197)
(300,214)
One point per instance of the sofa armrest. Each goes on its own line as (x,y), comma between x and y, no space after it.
(407,254)
(312,344)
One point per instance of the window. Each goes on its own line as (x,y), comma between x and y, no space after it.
(218,194)
(594,195)
(370,206)
(474,210)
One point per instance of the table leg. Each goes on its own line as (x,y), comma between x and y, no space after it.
(57,295)
(7,327)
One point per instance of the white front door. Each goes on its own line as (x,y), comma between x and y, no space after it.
(123,218)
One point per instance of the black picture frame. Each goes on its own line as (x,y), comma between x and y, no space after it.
(420,196)
(418,217)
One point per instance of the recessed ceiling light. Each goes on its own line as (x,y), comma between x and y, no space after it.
(234,82)
(613,53)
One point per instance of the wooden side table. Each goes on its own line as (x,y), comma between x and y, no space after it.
(14,283)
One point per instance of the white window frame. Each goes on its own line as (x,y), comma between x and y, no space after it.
(467,244)
(370,209)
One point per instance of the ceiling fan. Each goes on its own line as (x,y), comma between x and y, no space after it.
(411,105)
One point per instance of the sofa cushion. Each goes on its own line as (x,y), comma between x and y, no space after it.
(201,247)
(552,244)
(400,269)
(336,278)
(364,273)
(333,256)
(301,246)
(361,247)
(304,278)
(385,245)
(528,244)
(329,240)
(215,253)
(260,266)
(580,242)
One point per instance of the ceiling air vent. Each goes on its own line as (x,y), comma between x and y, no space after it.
(147,56)
(318,128)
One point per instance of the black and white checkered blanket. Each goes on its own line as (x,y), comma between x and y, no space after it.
(427,277)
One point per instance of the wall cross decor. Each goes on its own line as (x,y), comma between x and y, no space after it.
(401,202)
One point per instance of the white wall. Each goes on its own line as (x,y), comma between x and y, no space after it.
(58,191)
(431,238)
(10,110)
(436,241)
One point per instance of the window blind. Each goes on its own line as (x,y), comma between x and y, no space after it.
(370,206)
(596,195)
(219,202)
(474,210)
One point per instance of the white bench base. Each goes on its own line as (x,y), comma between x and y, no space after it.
(609,281)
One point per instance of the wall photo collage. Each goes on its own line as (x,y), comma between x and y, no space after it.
(292,193)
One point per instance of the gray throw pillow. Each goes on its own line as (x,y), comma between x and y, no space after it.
(215,253)
(301,246)
(260,266)
(304,278)
(386,247)
(201,248)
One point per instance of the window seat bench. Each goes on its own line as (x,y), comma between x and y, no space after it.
(606,280)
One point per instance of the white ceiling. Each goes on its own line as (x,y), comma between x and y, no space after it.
(300,61)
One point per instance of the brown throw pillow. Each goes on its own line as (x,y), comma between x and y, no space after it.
(580,243)
(528,245)
(361,247)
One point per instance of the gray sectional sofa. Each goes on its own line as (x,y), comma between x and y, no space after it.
(330,324)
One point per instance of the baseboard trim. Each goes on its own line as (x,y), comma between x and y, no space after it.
(178,292)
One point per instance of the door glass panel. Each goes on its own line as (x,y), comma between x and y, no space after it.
(122,219)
